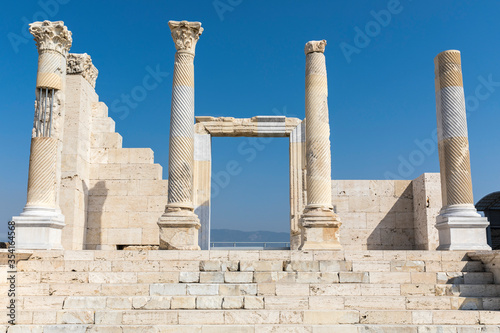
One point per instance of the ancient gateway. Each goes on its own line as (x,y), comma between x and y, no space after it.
(366,256)
(87,192)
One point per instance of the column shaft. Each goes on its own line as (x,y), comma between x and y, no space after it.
(179,224)
(40,224)
(460,226)
(320,225)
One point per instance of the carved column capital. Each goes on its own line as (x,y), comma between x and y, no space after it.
(81,63)
(315,46)
(53,36)
(185,35)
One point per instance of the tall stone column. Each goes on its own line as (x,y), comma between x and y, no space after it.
(460,226)
(320,225)
(179,224)
(40,224)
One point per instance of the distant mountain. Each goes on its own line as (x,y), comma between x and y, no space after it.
(227,235)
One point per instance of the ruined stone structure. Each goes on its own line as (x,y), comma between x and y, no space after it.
(363,252)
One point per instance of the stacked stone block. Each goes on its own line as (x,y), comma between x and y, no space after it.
(126,191)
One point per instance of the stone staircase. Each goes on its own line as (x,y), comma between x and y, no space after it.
(254,291)
(127,194)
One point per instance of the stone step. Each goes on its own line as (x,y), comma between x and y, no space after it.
(241,289)
(153,171)
(106,140)
(281,328)
(108,276)
(103,125)
(117,171)
(99,110)
(269,302)
(256,317)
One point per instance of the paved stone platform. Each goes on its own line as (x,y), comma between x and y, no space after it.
(252,291)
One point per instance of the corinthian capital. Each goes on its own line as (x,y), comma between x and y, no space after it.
(315,46)
(185,35)
(51,36)
(81,63)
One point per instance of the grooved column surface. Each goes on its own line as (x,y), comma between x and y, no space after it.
(42,172)
(317,132)
(50,70)
(181,149)
(453,144)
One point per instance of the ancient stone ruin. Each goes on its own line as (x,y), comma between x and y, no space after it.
(105,244)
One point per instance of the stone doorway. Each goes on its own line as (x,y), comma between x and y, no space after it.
(259,126)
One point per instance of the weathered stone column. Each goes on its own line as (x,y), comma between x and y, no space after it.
(320,225)
(179,224)
(460,226)
(40,224)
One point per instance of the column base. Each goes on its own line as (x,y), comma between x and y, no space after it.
(39,228)
(179,230)
(320,230)
(461,228)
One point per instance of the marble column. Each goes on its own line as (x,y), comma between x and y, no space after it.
(460,226)
(179,224)
(40,224)
(320,225)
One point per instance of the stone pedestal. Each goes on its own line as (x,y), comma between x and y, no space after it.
(179,224)
(320,225)
(40,224)
(460,226)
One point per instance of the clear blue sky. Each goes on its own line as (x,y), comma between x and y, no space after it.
(250,61)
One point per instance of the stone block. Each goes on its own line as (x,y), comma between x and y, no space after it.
(168,289)
(252,317)
(261,266)
(238,277)
(331,317)
(287,289)
(253,302)
(84,302)
(354,277)
(233,302)
(183,302)
(326,303)
(211,277)
(286,302)
(75,317)
(209,302)
(120,303)
(149,318)
(378,302)
(201,317)
(151,303)
(385,317)
(189,277)
(202,289)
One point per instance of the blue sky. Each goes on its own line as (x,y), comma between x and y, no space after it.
(250,61)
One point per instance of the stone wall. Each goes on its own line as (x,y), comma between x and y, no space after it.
(380,214)
(113,196)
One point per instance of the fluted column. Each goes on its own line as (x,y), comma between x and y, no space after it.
(179,224)
(40,224)
(320,225)
(460,226)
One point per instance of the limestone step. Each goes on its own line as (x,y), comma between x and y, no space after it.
(81,272)
(102,125)
(146,171)
(270,302)
(117,171)
(242,289)
(281,328)
(106,140)
(257,317)
(99,110)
